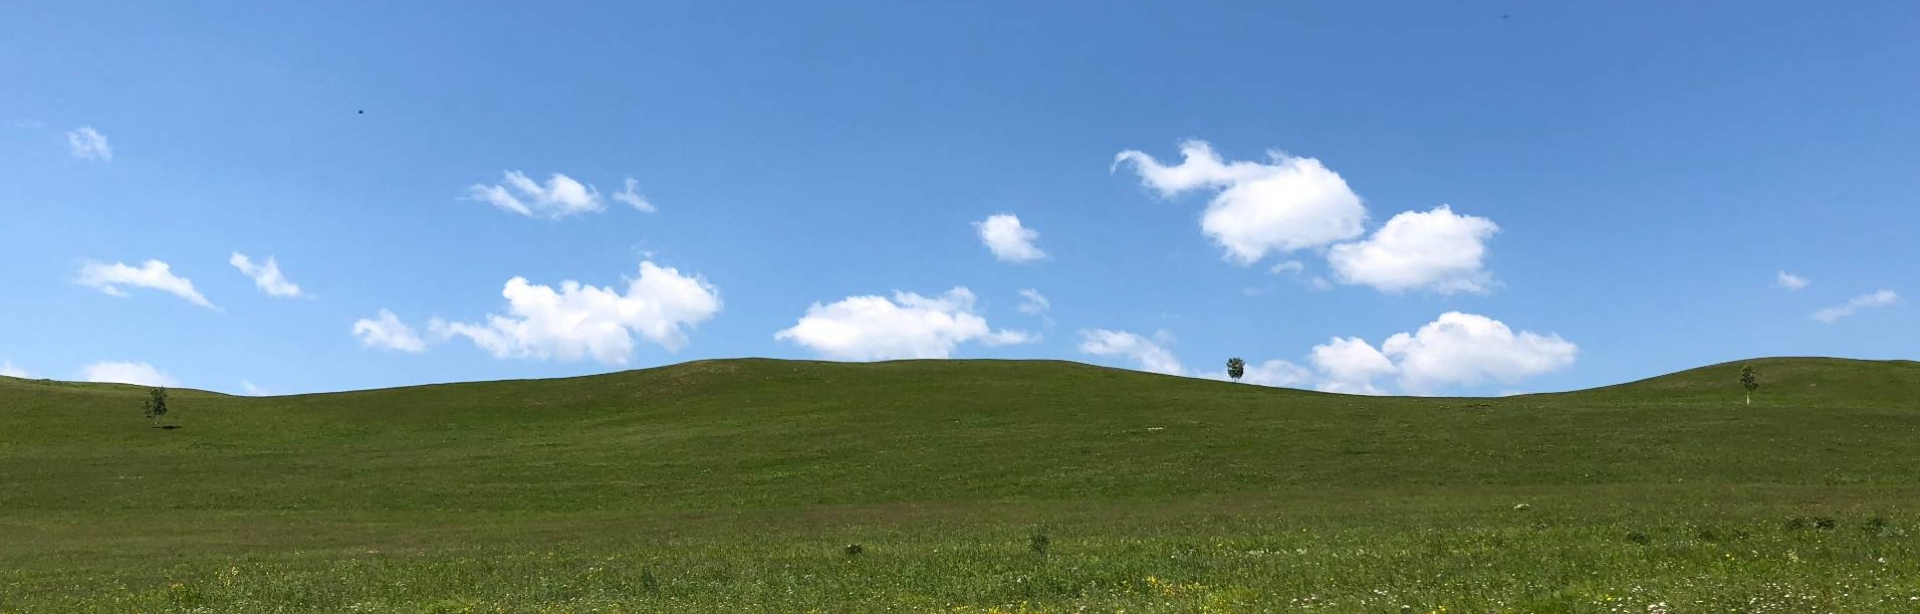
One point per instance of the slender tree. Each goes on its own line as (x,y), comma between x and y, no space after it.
(156,405)
(1749,381)
(1236,368)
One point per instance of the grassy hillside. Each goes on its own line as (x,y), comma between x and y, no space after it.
(694,486)
(1785,382)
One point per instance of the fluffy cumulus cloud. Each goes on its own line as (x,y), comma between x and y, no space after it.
(577,321)
(632,197)
(1455,349)
(1009,241)
(1284,204)
(1145,354)
(385,331)
(115,278)
(137,373)
(562,196)
(1833,314)
(1350,365)
(1790,281)
(266,276)
(1438,250)
(1468,349)
(88,144)
(906,326)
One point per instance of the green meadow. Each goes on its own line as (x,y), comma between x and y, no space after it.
(968,486)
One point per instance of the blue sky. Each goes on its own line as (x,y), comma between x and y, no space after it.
(1624,185)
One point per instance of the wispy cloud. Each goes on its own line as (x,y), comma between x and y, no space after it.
(562,196)
(88,144)
(137,373)
(1877,299)
(266,276)
(630,194)
(385,331)
(1146,354)
(154,274)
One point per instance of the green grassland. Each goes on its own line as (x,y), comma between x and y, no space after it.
(739,485)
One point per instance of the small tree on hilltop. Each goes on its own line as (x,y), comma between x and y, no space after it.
(1749,381)
(1236,368)
(156,405)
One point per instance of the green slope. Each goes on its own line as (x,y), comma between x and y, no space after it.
(707,449)
(764,433)
(1785,382)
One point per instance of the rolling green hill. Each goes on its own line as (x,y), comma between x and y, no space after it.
(731,485)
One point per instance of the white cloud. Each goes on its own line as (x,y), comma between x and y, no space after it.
(266,276)
(8,369)
(1877,299)
(631,196)
(560,197)
(1436,250)
(581,321)
(88,144)
(1349,365)
(1468,349)
(1032,302)
(1009,241)
(1283,205)
(110,278)
(247,388)
(1290,266)
(1276,373)
(385,331)
(137,373)
(1790,281)
(1146,354)
(907,326)
(1454,349)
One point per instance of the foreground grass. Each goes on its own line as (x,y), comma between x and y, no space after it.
(1517,561)
(738,486)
